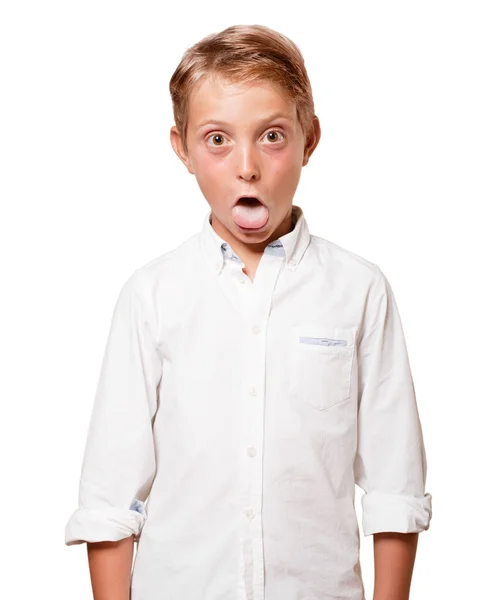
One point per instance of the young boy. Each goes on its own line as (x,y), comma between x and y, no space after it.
(252,375)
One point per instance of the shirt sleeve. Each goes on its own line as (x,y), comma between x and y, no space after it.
(119,460)
(390,463)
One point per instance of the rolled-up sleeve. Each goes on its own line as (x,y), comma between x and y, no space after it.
(390,463)
(119,458)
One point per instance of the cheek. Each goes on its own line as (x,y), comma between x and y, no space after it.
(209,168)
(286,164)
(209,163)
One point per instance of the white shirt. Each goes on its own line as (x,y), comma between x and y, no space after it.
(245,413)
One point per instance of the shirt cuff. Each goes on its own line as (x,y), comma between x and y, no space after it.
(109,524)
(395,513)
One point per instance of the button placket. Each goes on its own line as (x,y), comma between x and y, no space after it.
(253,438)
(252,415)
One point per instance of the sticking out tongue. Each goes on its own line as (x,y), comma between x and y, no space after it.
(250,213)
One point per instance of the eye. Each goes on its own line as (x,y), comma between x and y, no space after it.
(215,136)
(275,131)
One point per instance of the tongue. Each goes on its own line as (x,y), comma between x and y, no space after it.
(250,216)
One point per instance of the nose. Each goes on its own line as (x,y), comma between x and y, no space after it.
(248,163)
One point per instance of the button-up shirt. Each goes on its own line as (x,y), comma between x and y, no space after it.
(234,418)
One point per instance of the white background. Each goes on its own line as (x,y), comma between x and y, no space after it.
(91,189)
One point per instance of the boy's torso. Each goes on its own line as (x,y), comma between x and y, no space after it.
(256,423)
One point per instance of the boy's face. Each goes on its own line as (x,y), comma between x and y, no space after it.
(258,149)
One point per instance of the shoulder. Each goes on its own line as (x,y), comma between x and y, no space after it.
(159,276)
(166,267)
(348,263)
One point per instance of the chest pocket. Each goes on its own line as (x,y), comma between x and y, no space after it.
(321,365)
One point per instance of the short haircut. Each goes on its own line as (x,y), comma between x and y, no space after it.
(243,54)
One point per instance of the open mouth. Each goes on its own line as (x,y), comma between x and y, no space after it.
(248,201)
(250,214)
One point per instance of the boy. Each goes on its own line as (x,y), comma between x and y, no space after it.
(253,375)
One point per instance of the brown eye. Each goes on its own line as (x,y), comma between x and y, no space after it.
(274,133)
(216,137)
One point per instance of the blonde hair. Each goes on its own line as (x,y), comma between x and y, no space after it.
(243,54)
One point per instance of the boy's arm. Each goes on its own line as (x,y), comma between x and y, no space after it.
(119,459)
(390,462)
(394,555)
(110,565)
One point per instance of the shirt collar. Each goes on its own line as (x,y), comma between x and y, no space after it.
(293,243)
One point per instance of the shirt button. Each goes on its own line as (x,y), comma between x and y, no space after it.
(251,451)
(249,512)
(242,280)
(252,391)
(256,329)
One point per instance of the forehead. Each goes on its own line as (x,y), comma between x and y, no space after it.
(217,99)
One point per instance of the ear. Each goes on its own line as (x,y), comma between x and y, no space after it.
(179,149)
(312,140)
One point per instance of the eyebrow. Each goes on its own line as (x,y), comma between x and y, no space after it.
(277,115)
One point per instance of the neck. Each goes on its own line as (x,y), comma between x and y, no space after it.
(250,253)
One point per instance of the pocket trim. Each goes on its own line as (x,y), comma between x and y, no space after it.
(322,341)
